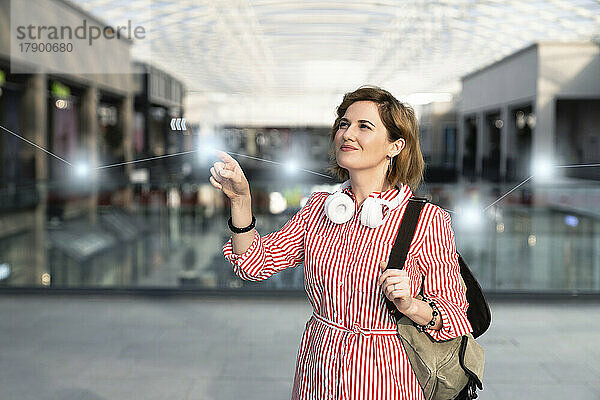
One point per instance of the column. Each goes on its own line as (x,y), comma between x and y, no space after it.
(544,131)
(127,113)
(35,129)
(250,142)
(90,132)
(505,133)
(460,143)
(481,136)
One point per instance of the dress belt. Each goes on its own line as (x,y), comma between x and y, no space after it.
(355,328)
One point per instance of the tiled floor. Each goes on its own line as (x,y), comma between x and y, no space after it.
(102,347)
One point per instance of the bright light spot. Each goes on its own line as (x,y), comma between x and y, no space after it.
(277,203)
(542,169)
(571,220)
(173,198)
(206,150)
(470,217)
(208,146)
(531,121)
(61,104)
(500,227)
(291,167)
(4,271)
(139,175)
(520,119)
(531,240)
(46,279)
(82,169)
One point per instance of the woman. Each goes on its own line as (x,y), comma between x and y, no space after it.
(349,349)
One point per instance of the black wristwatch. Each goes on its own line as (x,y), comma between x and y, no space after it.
(241,230)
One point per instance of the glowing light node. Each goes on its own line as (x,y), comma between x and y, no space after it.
(82,170)
(291,167)
(542,169)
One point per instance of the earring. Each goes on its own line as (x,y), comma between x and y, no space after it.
(390,164)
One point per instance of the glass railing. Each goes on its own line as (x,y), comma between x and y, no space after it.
(540,238)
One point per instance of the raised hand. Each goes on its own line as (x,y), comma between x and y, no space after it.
(228,176)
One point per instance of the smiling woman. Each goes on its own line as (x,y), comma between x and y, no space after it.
(389,128)
(350,348)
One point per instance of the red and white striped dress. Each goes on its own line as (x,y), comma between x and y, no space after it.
(349,349)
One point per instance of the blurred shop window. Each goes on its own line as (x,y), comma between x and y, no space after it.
(491,157)
(108,118)
(450,146)
(470,147)
(17,169)
(67,140)
(110,142)
(519,149)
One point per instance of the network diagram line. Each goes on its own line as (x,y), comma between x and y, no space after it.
(146,159)
(272,162)
(577,165)
(280,163)
(35,145)
(555,166)
(507,193)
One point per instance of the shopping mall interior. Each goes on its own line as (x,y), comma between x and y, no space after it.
(114,280)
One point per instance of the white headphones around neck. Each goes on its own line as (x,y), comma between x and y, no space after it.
(339,208)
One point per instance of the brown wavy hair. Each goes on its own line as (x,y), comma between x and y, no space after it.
(401,123)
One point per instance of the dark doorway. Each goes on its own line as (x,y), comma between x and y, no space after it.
(491,159)
(518,160)
(578,137)
(470,155)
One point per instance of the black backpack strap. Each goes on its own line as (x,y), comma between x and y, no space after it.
(404,238)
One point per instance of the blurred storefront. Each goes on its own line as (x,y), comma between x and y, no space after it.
(158,99)
(84,120)
(536,107)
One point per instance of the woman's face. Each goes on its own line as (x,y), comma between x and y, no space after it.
(362,128)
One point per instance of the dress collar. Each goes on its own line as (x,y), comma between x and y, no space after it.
(404,192)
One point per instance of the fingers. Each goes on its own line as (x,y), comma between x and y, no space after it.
(398,283)
(391,272)
(215,183)
(221,175)
(219,166)
(391,280)
(215,175)
(226,158)
(225,171)
(394,283)
(394,292)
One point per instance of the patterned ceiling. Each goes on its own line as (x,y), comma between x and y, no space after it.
(275,49)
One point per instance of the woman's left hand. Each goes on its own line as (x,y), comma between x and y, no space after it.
(395,285)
